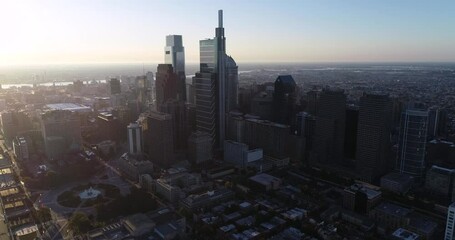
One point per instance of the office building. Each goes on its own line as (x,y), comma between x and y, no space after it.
(240,155)
(412,143)
(450,224)
(21,149)
(329,132)
(135,141)
(199,147)
(61,130)
(262,104)
(235,127)
(272,137)
(361,198)
(13,123)
(166,84)
(439,181)
(391,215)
(350,133)
(160,138)
(134,166)
(232,84)
(106,121)
(437,122)
(114,86)
(151,85)
(211,87)
(284,99)
(177,110)
(373,136)
(175,56)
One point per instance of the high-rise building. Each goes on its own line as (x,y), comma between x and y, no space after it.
(437,122)
(160,138)
(213,93)
(135,140)
(232,84)
(350,133)
(151,84)
(175,55)
(177,110)
(61,131)
(284,99)
(166,84)
(272,137)
(450,225)
(373,135)
(114,86)
(199,147)
(330,126)
(412,143)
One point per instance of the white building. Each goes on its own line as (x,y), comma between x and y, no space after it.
(450,223)
(134,138)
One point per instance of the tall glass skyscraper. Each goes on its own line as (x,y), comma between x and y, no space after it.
(175,55)
(215,85)
(412,143)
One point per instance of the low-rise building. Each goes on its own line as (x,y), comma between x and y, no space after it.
(206,200)
(390,215)
(265,182)
(440,181)
(403,234)
(397,182)
(133,167)
(361,197)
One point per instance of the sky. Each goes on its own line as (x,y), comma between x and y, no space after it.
(133,31)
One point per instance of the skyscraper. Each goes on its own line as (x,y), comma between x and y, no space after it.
(213,94)
(175,55)
(114,86)
(160,138)
(166,84)
(135,138)
(61,131)
(412,143)
(330,125)
(373,135)
(232,84)
(177,110)
(284,99)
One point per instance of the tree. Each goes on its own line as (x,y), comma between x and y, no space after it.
(80,223)
(44,214)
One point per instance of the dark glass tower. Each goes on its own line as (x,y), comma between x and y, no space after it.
(373,135)
(329,131)
(283,99)
(175,55)
(166,84)
(412,143)
(214,96)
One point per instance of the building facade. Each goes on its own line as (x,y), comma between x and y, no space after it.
(373,136)
(175,56)
(412,143)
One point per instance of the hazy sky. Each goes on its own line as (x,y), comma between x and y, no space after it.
(104,31)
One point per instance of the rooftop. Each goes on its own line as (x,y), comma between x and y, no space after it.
(393,209)
(371,193)
(404,234)
(69,106)
(264,178)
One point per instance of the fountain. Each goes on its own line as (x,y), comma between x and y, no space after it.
(89,193)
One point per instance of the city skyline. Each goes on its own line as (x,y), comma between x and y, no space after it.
(48,32)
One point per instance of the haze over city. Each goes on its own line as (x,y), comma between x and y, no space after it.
(241,120)
(102,31)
